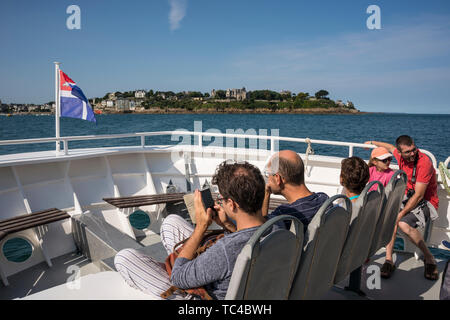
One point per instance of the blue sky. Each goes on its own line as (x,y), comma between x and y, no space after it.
(258,44)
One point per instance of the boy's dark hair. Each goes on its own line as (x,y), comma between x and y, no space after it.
(355,174)
(243,183)
(404,141)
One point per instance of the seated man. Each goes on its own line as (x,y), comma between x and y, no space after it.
(241,194)
(285,174)
(354,177)
(421,201)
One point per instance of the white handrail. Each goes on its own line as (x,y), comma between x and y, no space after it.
(142,135)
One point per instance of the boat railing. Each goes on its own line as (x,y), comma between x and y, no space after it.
(274,140)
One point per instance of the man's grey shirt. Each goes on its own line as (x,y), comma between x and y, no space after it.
(213,268)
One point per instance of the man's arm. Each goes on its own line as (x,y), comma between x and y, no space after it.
(204,219)
(265,206)
(386,145)
(414,200)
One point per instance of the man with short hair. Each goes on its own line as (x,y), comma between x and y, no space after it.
(285,174)
(421,201)
(241,194)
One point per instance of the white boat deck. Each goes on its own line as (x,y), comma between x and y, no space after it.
(43,283)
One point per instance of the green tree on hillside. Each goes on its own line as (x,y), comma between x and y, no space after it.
(221,94)
(321,94)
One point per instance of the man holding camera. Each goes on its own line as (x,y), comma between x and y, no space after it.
(241,188)
(420,204)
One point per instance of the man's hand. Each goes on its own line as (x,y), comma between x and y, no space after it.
(419,193)
(203,217)
(222,220)
(386,145)
(367,142)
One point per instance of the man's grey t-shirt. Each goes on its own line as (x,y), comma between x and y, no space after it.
(213,268)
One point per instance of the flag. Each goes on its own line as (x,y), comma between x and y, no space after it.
(74,103)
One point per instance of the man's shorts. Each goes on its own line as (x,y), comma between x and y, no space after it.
(419,216)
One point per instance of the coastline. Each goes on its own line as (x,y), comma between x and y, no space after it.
(215,111)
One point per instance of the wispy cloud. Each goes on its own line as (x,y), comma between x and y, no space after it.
(348,58)
(177,13)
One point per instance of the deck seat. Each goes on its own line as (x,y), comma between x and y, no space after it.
(31,220)
(28,221)
(145,200)
(365,213)
(324,240)
(394,192)
(267,264)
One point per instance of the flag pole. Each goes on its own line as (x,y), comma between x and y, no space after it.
(57,107)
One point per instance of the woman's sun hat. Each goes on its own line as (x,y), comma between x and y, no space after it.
(380,153)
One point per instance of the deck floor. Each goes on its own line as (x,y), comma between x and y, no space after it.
(406,283)
(40,277)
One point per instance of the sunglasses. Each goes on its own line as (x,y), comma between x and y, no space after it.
(410,151)
(386,160)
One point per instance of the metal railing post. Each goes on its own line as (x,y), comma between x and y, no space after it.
(66,147)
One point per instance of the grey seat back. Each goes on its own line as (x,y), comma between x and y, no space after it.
(322,248)
(394,192)
(365,214)
(267,264)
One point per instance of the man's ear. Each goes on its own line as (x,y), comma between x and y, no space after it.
(279,180)
(234,205)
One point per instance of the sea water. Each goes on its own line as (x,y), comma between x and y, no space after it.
(430,132)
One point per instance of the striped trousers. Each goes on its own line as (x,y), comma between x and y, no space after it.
(143,272)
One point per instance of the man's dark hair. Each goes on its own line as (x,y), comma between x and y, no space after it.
(355,174)
(404,141)
(241,182)
(293,172)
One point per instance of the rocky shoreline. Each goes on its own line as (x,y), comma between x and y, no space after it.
(227,111)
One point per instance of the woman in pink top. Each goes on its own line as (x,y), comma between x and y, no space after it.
(379,170)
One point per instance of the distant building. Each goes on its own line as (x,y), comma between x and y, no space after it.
(123,104)
(109,103)
(339,103)
(140,94)
(238,94)
(112,96)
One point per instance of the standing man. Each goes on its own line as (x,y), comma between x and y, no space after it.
(285,175)
(421,201)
